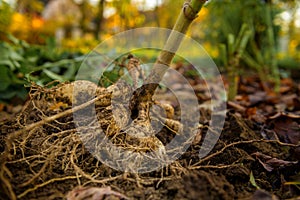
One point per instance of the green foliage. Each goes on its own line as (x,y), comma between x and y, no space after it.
(252,181)
(6,13)
(227,16)
(111,75)
(231,54)
(226,19)
(21,64)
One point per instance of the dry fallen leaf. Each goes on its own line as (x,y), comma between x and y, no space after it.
(270,163)
(286,125)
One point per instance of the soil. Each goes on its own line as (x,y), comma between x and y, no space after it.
(256,156)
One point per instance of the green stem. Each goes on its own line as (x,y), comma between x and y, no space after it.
(271,46)
(236,49)
(233,78)
(253,64)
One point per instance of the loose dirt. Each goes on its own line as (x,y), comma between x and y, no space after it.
(43,157)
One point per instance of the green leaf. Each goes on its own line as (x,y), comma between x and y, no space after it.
(252,181)
(231,40)
(70,73)
(5,80)
(223,54)
(5,50)
(13,39)
(15,56)
(24,44)
(240,36)
(8,63)
(53,76)
(16,63)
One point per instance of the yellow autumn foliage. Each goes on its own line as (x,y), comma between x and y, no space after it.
(20,25)
(84,44)
(202,14)
(294,46)
(37,23)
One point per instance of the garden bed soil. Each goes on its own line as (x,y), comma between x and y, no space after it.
(256,156)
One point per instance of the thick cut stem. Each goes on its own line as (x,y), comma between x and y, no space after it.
(187,15)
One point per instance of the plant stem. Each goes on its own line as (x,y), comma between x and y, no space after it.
(186,16)
(271,46)
(236,48)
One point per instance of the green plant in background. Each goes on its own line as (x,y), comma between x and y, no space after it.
(111,75)
(21,64)
(225,21)
(6,13)
(231,55)
(263,58)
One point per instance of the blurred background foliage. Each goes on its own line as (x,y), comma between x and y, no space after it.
(78,24)
(40,39)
